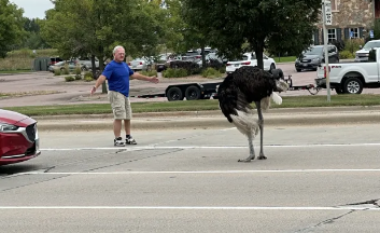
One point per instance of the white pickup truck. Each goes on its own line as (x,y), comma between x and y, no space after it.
(351,78)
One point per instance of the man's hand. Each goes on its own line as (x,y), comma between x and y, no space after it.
(153,79)
(93,90)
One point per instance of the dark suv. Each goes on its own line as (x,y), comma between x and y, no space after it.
(315,56)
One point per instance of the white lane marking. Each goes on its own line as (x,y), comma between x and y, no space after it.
(186,208)
(209,147)
(203,172)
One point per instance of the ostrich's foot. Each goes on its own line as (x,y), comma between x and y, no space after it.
(247,160)
(262,157)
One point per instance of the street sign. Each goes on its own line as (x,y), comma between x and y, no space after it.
(328,13)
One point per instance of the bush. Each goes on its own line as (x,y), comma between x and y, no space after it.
(88,77)
(353,45)
(174,73)
(78,70)
(346,55)
(69,78)
(65,70)
(78,77)
(149,73)
(189,66)
(57,72)
(211,73)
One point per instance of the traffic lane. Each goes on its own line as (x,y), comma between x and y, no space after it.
(285,189)
(315,134)
(83,221)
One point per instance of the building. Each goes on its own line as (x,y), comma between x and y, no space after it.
(350,17)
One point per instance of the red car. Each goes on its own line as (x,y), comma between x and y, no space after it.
(18,138)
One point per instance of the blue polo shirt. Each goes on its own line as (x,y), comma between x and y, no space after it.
(117,75)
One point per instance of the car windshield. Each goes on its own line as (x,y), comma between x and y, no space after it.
(242,58)
(314,51)
(371,44)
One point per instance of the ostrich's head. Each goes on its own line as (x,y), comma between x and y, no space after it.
(278,76)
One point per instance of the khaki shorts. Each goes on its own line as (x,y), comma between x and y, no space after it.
(121,106)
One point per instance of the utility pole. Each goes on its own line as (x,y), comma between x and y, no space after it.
(327,20)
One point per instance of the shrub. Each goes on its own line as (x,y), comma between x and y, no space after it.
(211,73)
(57,72)
(88,77)
(78,70)
(190,66)
(78,77)
(69,78)
(174,73)
(148,73)
(345,54)
(65,70)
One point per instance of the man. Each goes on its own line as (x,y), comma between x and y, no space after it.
(118,74)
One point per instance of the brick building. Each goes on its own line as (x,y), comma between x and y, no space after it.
(349,15)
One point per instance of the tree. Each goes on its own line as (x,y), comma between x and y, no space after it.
(94,27)
(11,26)
(261,23)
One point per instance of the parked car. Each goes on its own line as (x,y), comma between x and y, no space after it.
(19,139)
(249,59)
(54,60)
(62,64)
(315,56)
(143,63)
(85,63)
(362,54)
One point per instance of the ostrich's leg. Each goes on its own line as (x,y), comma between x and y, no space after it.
(251,151)
(261,126)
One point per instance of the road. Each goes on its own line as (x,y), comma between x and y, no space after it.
(78,92)
(316,179)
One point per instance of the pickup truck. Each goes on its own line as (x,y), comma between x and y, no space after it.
(351,77)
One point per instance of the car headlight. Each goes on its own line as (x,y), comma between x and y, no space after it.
(7,127)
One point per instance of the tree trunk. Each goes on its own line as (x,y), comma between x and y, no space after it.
(259,51)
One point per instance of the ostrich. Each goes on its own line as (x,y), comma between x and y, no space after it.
(238,90)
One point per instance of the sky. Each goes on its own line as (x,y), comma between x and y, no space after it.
(34,8)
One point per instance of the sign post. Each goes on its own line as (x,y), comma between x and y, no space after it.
(327,20)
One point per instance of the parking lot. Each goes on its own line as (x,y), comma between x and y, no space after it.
(316,179)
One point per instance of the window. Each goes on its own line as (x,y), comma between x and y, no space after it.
(354,33)
(331,34)
(334,5)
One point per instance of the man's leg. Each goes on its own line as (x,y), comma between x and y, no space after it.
(117,128)
(127,123)
(117,103)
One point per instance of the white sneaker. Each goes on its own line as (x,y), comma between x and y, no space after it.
(118,142)
(130,141)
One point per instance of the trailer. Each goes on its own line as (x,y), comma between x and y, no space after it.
(190,91)
(197,91)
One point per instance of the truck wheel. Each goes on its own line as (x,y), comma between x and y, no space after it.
(192,93)
(353,86)
(174,93)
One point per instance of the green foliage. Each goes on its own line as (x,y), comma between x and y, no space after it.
(278,25)
(11,26)
(211,73)
(345,54)
(88,76)
(78,77)
(174,73)
(353,45)
(94,27)
(65,70)
(149,73)
(57,72)
(69,78)
(77,70)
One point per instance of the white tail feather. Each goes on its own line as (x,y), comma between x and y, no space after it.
(276,98)
(245,123)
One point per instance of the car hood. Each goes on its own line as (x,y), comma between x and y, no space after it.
(309,56)
(15,118)
(363,51)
